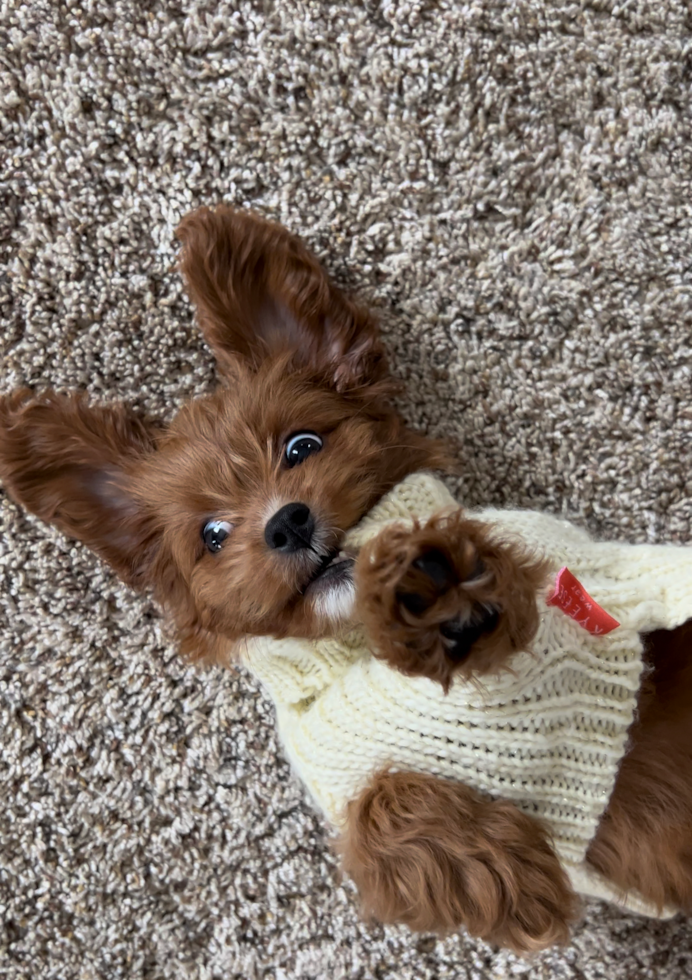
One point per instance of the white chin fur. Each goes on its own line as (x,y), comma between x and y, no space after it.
(336,605)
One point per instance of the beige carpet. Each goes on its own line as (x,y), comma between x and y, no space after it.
(508,181)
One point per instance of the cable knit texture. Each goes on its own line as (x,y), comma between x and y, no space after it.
(549,737)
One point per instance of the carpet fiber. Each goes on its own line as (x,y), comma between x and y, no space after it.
(508,182)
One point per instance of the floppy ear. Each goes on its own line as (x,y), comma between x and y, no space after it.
(73,465)
(259,293)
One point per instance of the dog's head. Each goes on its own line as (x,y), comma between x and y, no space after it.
(234,513)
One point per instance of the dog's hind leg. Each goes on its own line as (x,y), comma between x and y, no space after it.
(435,855)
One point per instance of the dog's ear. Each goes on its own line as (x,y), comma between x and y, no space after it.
(72,465)
(259,293)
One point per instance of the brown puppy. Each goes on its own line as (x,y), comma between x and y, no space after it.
(256,485)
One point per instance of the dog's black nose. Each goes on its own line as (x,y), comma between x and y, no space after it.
(290,529)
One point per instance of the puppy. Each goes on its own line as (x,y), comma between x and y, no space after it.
(258,484)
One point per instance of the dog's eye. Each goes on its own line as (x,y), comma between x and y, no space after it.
(302,445)
(214,533)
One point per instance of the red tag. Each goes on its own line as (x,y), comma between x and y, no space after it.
(573,599)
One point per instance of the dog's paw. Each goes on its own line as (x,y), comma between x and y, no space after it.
(436,566)
(433,576)
(444,598)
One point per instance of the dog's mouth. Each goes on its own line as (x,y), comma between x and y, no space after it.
(333,569)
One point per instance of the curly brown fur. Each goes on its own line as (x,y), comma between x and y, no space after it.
(436,855)
(644,840)
(259,293)
(297,354)
(474,576)
(70,463)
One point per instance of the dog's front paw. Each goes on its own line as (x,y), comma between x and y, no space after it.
(444,598)
(434,577)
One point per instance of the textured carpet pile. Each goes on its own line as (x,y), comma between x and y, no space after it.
(509,183)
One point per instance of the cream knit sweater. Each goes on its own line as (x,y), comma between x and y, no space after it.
(549,737)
